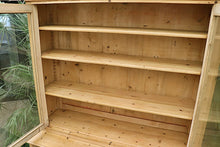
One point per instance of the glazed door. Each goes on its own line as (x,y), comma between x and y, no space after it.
(22,98)
(206,122)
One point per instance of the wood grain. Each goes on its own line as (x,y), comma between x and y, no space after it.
(139,80)
(166,106)
(176,66)
(73,128)
(210,72)
(122,1)
(134,31)
(139,59)
(150,16)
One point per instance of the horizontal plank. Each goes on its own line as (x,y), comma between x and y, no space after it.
(67,1)
(159,105)
(134,31)
(147,122)
(177,66)
(69,128)
(15,8)
(167,1)
(52,138)
(124,1)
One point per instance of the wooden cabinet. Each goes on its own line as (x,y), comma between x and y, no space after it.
(124,73)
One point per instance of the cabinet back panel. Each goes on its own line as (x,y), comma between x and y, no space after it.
(163,16)
(53,104)
(137,45)
(46,40)
(149,82)
(49,71)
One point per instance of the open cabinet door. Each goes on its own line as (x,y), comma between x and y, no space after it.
(206,120)
(21,86)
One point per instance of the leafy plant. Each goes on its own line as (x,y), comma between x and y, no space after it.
(20,122)
(18,80)
(18,83)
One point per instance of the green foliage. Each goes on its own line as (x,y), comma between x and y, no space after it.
(20,25)
(1,106)
(20,122)
(18,83)
(17,31)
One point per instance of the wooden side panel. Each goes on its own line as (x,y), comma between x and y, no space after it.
(207,84)
(37,65)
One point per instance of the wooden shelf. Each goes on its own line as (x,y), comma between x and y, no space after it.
(70,128)
(177,66)
(159,105)
(134,31)
(66,1)
(125,1)
(166,1)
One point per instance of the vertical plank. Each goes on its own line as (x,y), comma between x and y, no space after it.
(206,87)
(53,103)
(37,65)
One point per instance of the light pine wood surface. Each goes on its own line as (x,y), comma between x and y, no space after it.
(74,128)
(159,105)
(122,1)
(134,31)
(178,66)
(134,64)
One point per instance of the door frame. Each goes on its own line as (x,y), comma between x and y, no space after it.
(33,26)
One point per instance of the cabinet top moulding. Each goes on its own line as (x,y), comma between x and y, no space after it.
(123,1)
(120,30)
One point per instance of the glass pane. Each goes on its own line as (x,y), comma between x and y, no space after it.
(18,105)
(212,131)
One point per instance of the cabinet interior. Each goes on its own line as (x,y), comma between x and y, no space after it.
(133,65)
